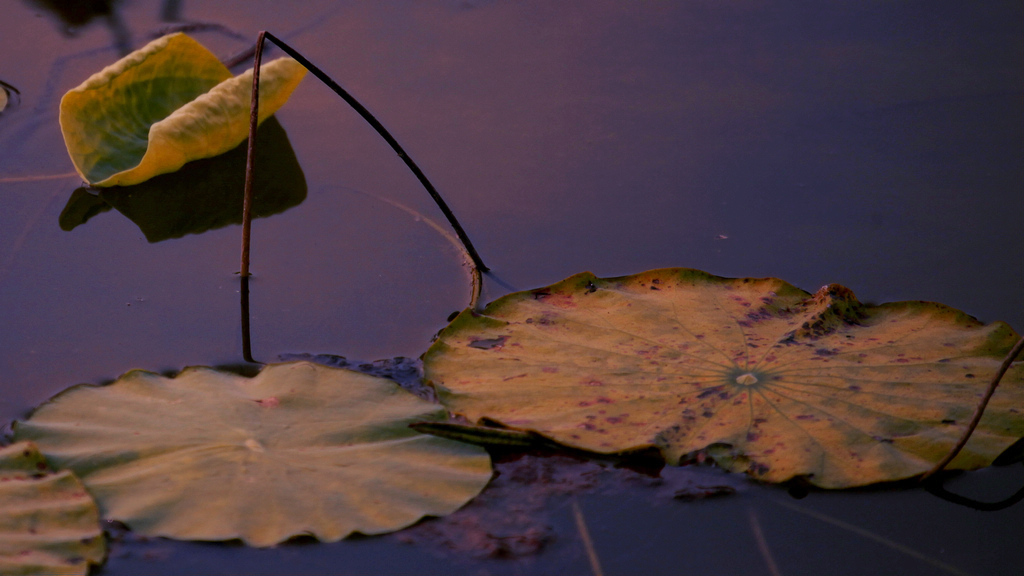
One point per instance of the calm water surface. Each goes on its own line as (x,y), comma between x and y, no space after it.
(875,144)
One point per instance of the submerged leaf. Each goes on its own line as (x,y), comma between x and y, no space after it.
(161,106)
(298,449)
(755,373)
(48,522)
(520,513)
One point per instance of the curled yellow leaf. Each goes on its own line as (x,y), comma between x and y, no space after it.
(162,106)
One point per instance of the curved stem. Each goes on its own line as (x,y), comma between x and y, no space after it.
(372,121)
(476,282)
(938,490)
(978,412)
(8,91)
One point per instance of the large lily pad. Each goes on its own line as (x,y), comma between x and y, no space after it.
(48,522)
(298,449)
(755,373)
(161,106)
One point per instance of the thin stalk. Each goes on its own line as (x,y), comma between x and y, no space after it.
(938,490)
(37,178)
(250,160)
(864,533)
(978,412)
(762,544)
(246,340)
(372,121)
(474,272)
(588,544)
(10,89)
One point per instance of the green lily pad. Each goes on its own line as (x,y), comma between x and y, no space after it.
(757,374)
(162,106)
(204,194)
(298,449)
(48,522)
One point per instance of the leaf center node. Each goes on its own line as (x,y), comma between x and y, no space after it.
(254,445)
(746,379)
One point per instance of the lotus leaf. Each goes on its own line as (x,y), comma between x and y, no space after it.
(161,106)
(297,449)
(757,374)
(48,522)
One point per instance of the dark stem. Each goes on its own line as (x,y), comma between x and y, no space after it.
(250,160)
(246,341)
(12,92)
(979,411)
(937,489)
(372,121)
(9,87)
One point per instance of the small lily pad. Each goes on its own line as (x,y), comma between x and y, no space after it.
(298,449)
(48,522)
(167,103)
(759,375)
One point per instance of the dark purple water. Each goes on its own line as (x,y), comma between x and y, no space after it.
(875,144)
